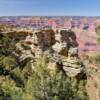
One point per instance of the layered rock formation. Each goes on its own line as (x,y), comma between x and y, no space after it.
(60,47)
(66,49)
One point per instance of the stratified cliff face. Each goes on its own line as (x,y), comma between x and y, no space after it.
(61,47)
(66,49)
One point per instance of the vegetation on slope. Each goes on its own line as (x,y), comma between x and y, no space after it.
(19,82)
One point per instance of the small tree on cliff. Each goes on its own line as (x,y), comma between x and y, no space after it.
(98,33)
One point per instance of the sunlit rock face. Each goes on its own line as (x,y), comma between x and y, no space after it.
(66,49)
(61,47)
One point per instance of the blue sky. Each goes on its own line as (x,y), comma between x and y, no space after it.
(50,7)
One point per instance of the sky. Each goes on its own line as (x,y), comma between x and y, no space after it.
(49,7)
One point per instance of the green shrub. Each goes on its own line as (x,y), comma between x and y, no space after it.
(45,84)
(95,58)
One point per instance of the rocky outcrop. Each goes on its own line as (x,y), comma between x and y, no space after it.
(66,49)
(61,47)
